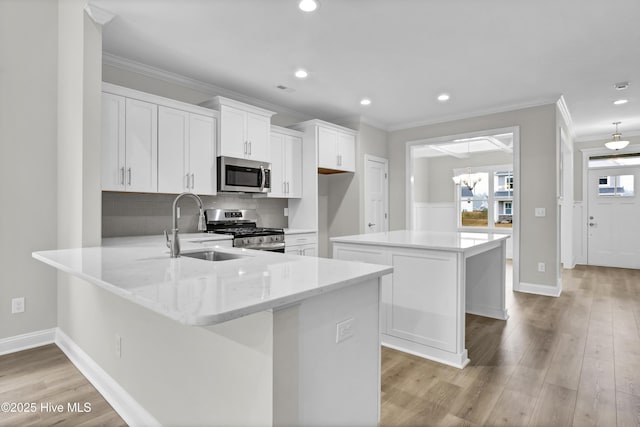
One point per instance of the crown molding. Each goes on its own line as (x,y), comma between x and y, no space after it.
(476,113)
(197,85)
(357,118)
(603,136)
(564,110)
(98,15)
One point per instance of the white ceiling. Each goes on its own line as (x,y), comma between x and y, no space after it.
(490,55)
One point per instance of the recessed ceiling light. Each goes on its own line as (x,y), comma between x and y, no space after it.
(308,5)
(301,74)
(621,101)
(443,97)
(365,101)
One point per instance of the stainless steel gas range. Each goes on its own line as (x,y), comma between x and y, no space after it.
(242,225)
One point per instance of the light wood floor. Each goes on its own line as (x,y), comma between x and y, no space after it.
(567,361)
(44,375)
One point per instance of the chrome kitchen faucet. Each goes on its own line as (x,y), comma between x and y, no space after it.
(174,243)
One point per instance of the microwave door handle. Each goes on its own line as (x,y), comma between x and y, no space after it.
(264,178)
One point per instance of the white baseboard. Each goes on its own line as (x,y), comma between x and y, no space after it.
(27,341)
(533,288)
(121,401)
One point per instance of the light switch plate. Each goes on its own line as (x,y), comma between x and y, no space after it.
(541,212)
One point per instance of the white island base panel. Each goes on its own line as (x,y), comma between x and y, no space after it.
(424,301)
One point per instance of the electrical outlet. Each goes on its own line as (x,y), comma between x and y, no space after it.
(541,267)
(118,346)
(344,330)
(17,305)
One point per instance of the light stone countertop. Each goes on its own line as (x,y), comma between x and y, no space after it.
(438,240)
(199,292)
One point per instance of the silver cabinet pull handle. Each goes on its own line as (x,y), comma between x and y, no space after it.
(129,182)
(193,181)
(122,175)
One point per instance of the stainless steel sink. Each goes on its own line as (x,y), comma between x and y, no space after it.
(212,255)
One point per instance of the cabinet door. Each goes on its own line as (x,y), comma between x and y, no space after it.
(347,152)
(258,132)
(327,148)
(113,142)
(202,155)
(309,251)
(141,135)
(173,141)
(293,162)
(232,132)
(277,165)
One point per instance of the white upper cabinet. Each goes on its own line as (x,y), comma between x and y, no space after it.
(113,143)
(346,152)
(244,130)
(202,154)
(336,146)
(286,163)
(173,145)
(186,152)
(336,149)
(153,144)
(129,144)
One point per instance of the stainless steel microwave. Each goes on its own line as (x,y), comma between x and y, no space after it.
(245,176)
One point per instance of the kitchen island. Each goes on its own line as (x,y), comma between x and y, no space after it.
(260,338)
(437,277)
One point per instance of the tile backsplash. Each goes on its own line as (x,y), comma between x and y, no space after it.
(137,214)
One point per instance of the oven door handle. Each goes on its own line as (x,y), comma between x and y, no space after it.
(264,178)
(265,246)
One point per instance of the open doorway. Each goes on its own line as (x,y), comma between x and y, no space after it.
(466,183)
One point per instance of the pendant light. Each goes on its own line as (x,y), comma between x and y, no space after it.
(616,143)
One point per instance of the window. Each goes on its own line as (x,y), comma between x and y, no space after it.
(616,185)
(484,196)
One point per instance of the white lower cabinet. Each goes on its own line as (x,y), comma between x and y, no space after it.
(301,244)
(286,163)
(186,152)
(418,311)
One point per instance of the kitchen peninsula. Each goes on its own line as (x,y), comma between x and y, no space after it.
(437,277)
(267,338)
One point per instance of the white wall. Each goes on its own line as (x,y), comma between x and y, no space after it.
(538,154)
(28,122)
(181,375)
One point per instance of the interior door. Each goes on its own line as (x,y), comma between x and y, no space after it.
(376,199)
(614,209)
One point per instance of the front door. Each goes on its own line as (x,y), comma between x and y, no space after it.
(613,218)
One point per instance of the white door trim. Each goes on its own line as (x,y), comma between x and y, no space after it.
(586,153)
(367,158)
(516,177)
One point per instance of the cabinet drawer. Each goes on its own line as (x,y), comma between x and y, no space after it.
(300,239)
